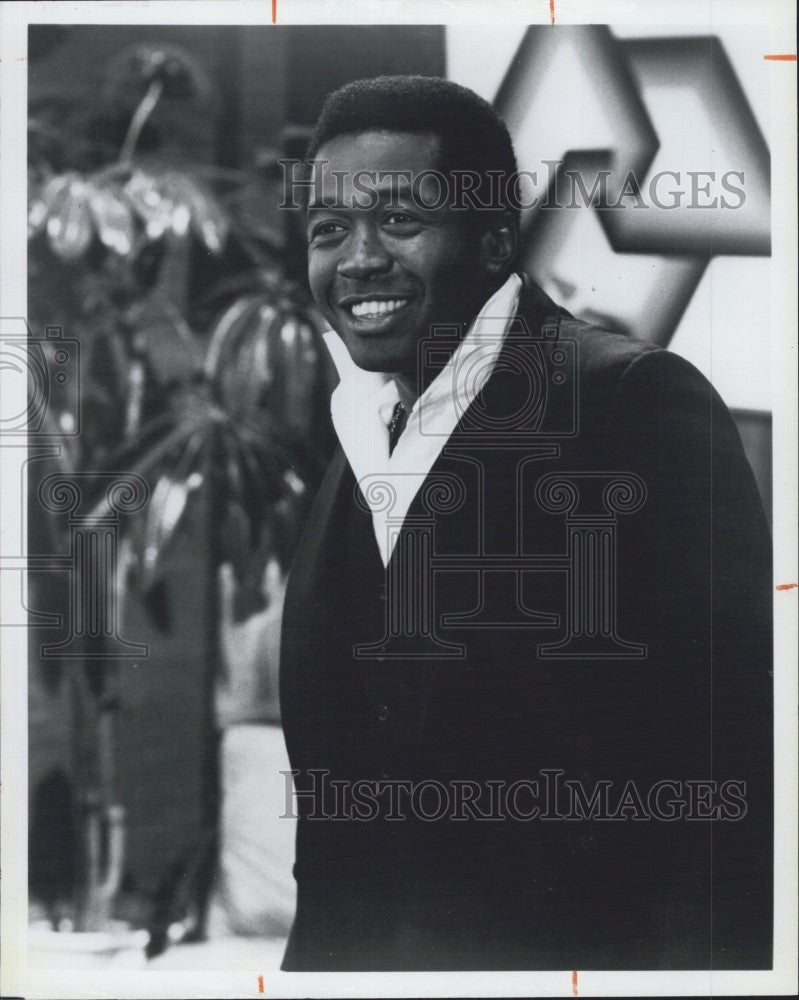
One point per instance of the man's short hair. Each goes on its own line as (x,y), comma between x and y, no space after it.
(473,137)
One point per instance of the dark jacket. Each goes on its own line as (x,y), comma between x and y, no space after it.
(579,600)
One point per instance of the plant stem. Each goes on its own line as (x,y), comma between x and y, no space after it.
(139,120)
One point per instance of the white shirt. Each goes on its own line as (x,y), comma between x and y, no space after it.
(363,402)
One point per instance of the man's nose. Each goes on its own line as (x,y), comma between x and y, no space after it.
(366,255)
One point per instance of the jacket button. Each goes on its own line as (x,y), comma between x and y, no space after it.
(381,592)
(382,712)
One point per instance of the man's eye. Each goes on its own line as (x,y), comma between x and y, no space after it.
(326,229)
(404,219)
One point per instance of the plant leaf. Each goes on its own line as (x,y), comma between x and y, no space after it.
(69,226)
(225,330)
(208,219)
(149,202)
(112,219)
(42,204)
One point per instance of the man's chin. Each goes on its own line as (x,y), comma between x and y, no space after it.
(373,356)
(383,367)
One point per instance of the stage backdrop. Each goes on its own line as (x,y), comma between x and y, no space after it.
(672,128)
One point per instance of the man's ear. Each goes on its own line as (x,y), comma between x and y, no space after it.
(500,244)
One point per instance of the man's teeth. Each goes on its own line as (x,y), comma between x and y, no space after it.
(376,308)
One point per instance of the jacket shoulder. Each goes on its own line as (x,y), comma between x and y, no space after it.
(602,356)
(605,357)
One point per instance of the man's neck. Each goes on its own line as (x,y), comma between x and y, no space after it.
(407,383)
(408,389)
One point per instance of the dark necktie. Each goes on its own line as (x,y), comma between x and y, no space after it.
(399,418)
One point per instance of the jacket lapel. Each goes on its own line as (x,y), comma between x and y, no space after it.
(472,436)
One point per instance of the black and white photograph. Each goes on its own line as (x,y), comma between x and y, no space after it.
(398,543)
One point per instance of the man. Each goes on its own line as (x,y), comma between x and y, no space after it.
(525,669)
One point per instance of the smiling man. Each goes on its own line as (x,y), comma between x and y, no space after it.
(525,669)
(402,262)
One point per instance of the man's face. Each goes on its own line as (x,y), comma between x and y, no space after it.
(383,273)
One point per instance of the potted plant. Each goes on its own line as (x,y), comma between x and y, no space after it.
(217,401)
